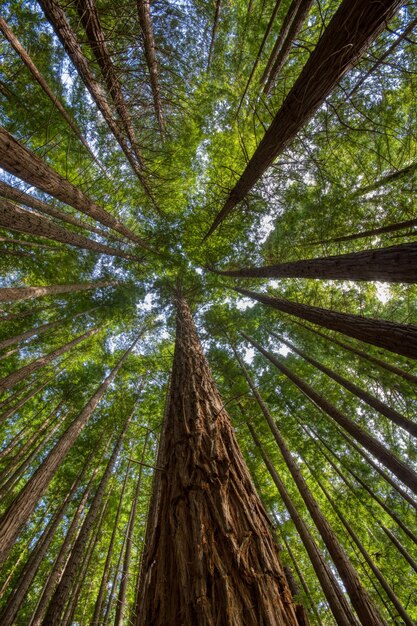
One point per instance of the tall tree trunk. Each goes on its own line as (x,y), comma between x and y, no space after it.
(214,31)
(12,410)
(12,379)
(22,507)
(398,338)
(389,367)
(21,162)
(295,18)
(210,555)
(37,75)
(14,602)
(57,18)
(373,445)
(121,600)
(369,233)
(145,21)
(56,607)
(361,601)
(372,401)
(340,608)
(11,294)
(13,217)
(19,196)
(350,32)
(395,264)
(387,178)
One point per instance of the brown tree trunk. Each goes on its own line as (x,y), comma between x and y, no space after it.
(367,612)
(12,410)
(388,178)
(21,162)
(350,32)
(12,379)
(295,18)
(210,556)
(372,401)
(368,233)
(398,338)
(395,264)
(411,378)
(10,294)
(383,454)
(56,607)
(22,507)
(37,75)
(19,196)
(400,548)
(13,217)
(340,608)
(145,21)
(214,30)
(9,613)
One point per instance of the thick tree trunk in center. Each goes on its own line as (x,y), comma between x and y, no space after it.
(210,557)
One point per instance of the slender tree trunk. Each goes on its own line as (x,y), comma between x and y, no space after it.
(411,378)
(37,75)
(12,410)
(388,178)
(350,32)
(340,608)
(9,294)
(14,602)
(19,196)
(21,162)
(214,31)
(39,330)
(400,548)
(121,600)
(145,21)
(361,601)
(398,338)
(372,401)
(395,264)
(210,556)
(13,217)
(297,14)
(22,507)
(394,464)
(368,233)
(18,375)
(56,607)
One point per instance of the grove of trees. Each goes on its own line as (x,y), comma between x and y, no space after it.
(208,313)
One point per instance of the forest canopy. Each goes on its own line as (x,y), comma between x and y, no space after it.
(256,161)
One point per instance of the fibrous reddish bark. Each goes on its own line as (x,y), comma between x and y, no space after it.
(395,264)
(351,31)
(210,557)
(398,338)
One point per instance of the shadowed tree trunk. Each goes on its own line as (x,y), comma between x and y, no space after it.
(367,612)
(22,507)
(214,31)
(10,294)
(388,178)
(368,233)
(21,162)
(12,410)
(13,217)
(210,556)
(372,444)
(350,32)
(398,338)
(395,264)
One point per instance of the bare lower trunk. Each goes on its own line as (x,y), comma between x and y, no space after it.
(398,338)
(9,294)
(210,556)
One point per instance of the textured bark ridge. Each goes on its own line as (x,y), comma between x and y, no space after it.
(210,557)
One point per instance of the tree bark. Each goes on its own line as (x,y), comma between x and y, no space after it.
(21,162)
(22,507)
(295,18)
(145,21)
(387,178)
(383,454)
(210,556)
(12,379)
(13,217)
(368,233)
(368,614)
(214,31)
(350,32)
(395,264)
(398,338)
(37,75)
(11,294)
(56,607)
(372,401)
(12,410)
